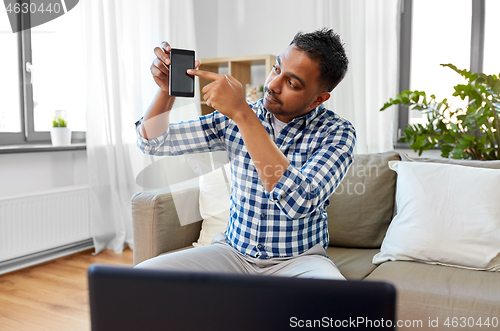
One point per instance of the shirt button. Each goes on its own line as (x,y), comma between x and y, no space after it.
(263,215)
(259,246)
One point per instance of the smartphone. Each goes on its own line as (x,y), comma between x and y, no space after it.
(181,84)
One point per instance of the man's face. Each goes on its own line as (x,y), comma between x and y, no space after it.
(292,88)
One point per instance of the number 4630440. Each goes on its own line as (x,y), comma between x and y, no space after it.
(32,8)
(463,322)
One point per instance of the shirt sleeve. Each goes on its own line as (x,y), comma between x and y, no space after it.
(299,192)
(204,134)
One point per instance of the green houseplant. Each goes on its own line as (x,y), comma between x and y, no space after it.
(260,92)
(59,122)
(471,133)
(60,134)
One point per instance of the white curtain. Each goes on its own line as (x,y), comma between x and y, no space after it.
(119,37)
(370,29)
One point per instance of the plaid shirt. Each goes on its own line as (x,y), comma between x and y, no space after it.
(292,217)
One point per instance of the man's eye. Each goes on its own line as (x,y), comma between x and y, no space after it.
(275,68)
(291,84)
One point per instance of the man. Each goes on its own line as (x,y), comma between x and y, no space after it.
(287,154)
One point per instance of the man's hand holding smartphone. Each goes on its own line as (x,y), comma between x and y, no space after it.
(173,71)
(160,67)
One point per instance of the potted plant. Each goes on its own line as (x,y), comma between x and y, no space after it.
(471,133)
(60,134)
(260,93)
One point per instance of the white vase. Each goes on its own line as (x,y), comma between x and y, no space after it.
(60,136)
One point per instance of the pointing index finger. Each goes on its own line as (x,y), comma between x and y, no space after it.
(204,74)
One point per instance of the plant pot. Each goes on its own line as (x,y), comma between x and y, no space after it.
(60,136)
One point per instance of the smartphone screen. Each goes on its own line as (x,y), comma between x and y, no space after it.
(181,84)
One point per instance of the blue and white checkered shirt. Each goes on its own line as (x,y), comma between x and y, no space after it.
(292,217)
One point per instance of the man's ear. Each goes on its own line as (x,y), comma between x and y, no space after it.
(322,97)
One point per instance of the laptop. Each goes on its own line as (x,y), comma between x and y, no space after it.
(124,298)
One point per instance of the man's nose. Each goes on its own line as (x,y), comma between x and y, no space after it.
(275,85)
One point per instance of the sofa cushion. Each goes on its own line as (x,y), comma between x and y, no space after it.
(353,263)
(215,201)
(432,291)
(157,227)
(446,214)
(362,206)
(468,163)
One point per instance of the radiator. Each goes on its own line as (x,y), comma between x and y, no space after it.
(39,222)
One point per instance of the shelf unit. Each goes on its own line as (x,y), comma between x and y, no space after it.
(240,67)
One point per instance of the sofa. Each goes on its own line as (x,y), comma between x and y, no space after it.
(443,279)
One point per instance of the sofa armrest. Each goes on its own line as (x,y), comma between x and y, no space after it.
(156,224)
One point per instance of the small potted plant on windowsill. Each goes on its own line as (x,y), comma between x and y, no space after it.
(60,134)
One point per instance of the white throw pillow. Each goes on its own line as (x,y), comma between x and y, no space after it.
(446,214)
(214,204)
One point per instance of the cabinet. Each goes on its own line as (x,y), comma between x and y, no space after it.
(239,67)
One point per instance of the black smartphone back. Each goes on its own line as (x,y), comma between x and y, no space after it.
(181,84)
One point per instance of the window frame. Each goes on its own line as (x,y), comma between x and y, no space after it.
(476,54)
(28,135)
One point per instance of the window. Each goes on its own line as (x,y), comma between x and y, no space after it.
(44,75)
(442,41)
(461,32)
(10,102)
(491,65)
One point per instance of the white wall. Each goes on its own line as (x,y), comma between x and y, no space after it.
(239,27)
(262,27)
(206,19)
(25,173)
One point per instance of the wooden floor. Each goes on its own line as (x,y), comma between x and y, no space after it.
(52,296)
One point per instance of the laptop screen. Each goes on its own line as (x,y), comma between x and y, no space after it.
(124,298)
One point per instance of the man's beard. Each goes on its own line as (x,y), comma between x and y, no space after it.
(272,96)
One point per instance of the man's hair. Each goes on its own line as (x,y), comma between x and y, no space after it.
(325,47)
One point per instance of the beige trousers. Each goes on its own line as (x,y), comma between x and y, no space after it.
(221,257)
